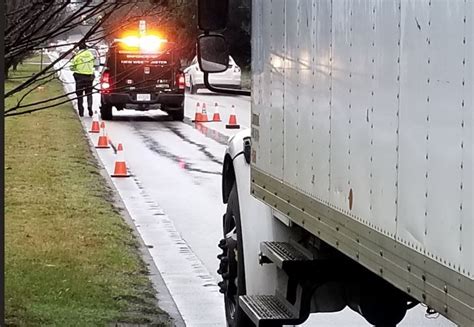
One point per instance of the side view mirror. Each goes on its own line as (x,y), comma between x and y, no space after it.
(212,14)
(213,53)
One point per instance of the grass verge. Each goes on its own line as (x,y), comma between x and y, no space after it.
(71,260)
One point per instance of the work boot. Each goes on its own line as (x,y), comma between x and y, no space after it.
(90,112)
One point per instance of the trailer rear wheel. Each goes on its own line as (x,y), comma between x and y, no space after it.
(380,303)
(232,264)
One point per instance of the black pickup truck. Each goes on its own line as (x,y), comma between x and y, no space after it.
(142,79)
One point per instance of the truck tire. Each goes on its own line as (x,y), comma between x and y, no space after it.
(231,266)
(106,111)
(381,304)
(177,115)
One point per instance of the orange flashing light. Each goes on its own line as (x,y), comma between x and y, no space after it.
(146,43)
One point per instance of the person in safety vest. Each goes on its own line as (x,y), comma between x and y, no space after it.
(83,65)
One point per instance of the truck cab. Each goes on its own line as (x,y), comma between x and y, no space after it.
(142,73)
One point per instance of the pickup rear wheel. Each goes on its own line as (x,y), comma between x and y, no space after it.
(177,115)
(106,111)
(232,264)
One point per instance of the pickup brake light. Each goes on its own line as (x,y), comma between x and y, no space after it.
(105,82)
(180,81)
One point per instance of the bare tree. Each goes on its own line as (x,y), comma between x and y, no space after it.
(32,24)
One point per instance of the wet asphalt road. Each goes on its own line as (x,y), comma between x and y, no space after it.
(174,197)
(180,168)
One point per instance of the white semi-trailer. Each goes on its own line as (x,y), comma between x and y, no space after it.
(360,156)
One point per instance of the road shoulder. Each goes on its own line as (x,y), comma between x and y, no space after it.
(164,298)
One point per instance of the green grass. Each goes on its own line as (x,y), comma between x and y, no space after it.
(70,258)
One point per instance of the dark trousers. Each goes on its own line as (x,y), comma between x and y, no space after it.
(84,88)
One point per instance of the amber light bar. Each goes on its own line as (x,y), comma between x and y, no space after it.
(146,43)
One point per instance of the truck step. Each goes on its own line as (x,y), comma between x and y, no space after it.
(268,310)
(285,254)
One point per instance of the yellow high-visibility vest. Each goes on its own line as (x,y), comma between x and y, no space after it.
(83,62)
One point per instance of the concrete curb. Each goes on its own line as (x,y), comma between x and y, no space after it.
(208,131)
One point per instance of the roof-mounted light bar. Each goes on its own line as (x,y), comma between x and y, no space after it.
(146,43)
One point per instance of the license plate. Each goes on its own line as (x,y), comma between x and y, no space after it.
(143,97)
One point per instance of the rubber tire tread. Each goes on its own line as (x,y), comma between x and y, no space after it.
(241,319)
(177,115)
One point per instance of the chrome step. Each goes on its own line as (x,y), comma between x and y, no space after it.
(268,310)
(285,254)
(293,306)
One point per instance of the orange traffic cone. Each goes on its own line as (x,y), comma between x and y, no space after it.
(103,139)
(232,120)
(197,113)
(204,117)
(120,165)
(216,116)
(95,123)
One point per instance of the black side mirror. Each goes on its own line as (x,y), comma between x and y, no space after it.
(213,53)
(212,14)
